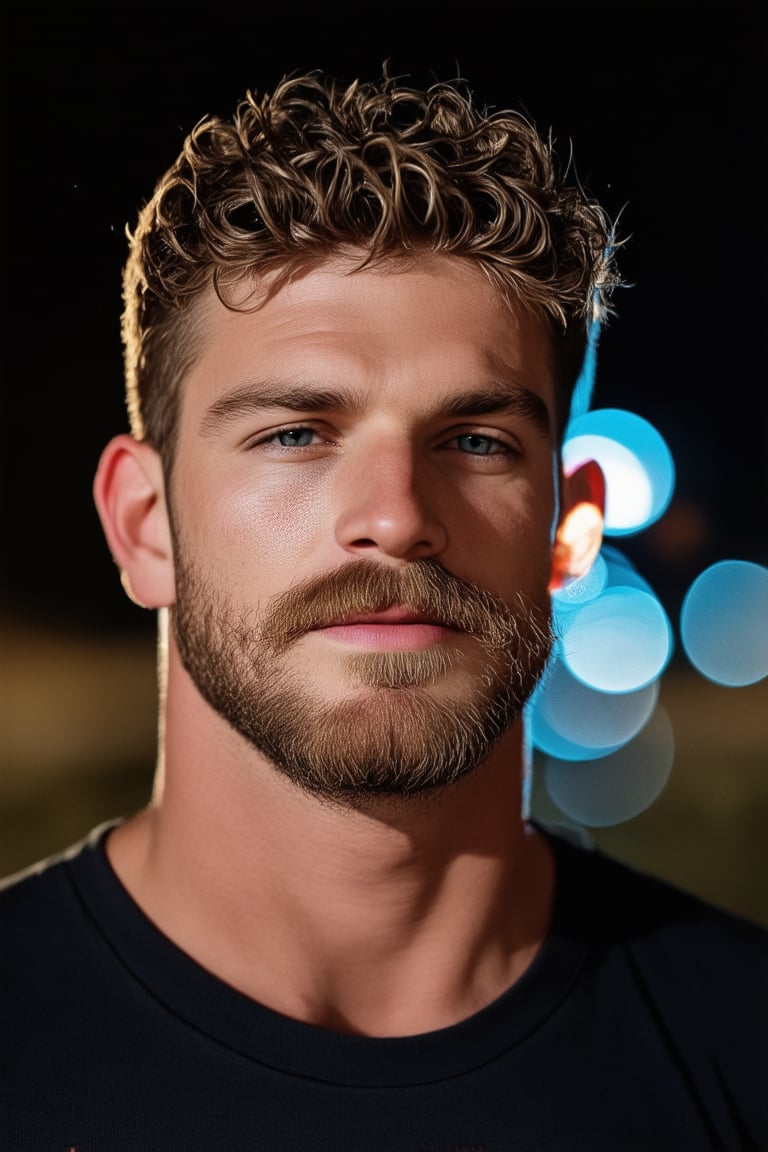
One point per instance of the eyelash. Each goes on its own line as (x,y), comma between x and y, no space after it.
(270,439)
(498,446)
(291,432)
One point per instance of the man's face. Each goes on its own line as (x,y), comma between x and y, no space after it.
(362,504)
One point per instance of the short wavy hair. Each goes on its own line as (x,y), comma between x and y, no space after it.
(380,168)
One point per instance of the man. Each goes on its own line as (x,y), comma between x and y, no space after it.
(353,322)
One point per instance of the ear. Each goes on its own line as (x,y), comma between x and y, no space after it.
(579,533)
(129,492)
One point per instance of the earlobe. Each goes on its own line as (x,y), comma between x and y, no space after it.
(129,493)
(579,535)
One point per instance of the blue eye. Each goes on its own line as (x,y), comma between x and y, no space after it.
(295,437)
(477,445)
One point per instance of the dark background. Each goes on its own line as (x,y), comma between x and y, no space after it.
(664,105)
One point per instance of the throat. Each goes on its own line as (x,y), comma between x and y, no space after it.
(438,902)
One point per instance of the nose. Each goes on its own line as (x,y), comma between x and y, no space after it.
(389,505)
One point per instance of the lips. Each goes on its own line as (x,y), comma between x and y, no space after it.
(397,628)
(393,615)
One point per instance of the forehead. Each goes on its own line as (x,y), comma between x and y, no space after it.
(427,326)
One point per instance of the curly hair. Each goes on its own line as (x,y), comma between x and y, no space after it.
(378,168)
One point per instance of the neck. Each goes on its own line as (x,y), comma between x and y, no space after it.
(438,902)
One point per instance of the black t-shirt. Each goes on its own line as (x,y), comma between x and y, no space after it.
(641,1026)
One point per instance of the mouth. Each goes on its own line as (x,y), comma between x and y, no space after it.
(398,628)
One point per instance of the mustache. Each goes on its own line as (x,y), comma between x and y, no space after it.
(423,585)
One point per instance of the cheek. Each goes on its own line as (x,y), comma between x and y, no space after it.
(524,561)
(236,520)
(510,538)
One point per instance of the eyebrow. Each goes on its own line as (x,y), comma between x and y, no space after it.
(251,398)
(493,398)
(505,399)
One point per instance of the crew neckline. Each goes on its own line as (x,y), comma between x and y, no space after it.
(205,1003)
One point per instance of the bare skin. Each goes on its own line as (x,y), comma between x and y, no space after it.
(394,916)
(308,909)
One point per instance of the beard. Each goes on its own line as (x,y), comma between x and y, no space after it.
(415,721)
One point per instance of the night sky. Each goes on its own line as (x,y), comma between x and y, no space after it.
(664,105)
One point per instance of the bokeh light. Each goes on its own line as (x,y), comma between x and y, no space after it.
(621,572)
(636,462)
(579,591)
(619,642)
(595,714)
(611,789)
(724,623)
(572,721)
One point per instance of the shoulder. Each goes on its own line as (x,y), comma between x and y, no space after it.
(619,905)
(701,970)
(41,899)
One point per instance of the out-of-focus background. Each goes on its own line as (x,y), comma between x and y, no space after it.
(664,105)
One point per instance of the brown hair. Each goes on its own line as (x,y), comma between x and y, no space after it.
(390,170)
